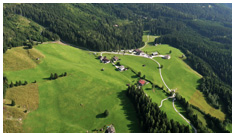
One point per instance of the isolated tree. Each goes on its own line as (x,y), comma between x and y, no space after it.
(106,113)
(139,74)
(13,103)
(170,51)
(161,66)
(65,74)
(51,76)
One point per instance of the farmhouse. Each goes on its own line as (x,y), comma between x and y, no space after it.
(115,58)
(100,57)
(141,82)
(110,129)
(167,57)
(105,60)
(139,52)
(121,68)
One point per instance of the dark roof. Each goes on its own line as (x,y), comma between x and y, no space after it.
(115,58)
(142,82)
(105,59)
(137,50)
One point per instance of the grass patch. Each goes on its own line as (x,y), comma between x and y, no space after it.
(26,96)
(203,105)
(20,59)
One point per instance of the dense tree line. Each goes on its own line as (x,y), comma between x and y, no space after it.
(152,119)
(212,122)
(88,26)
(55,75)
(19,31)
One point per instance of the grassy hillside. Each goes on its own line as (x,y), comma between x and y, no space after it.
(177,74)
(20,58)
(75,103)
(26,99)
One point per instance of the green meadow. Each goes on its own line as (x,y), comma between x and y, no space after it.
(178,75)
(76,102)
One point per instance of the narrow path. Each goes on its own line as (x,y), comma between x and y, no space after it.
(145,42)
(195,130)
(161,75)
(174,94)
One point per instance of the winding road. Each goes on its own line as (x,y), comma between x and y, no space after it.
(174,94)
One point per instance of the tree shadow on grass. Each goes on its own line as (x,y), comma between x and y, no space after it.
(47,78)
(129,111)
(101,115)
(134,76)
(148,89)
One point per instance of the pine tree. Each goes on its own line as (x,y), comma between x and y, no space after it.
(11,84)
(65,74)
(16,84)
(55,76)
(13,103)
(106,113)
(20,83)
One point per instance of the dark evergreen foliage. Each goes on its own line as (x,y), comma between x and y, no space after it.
(152,119)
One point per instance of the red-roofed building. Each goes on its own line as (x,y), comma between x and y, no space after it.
(142,82)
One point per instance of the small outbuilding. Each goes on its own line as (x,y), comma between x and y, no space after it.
(155,53)
(167,57)
(142,82)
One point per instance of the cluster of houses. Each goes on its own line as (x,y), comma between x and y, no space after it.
(141,53)
(114,59)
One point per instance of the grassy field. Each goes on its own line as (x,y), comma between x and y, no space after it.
(26,99)
(20,59)
(75,103)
